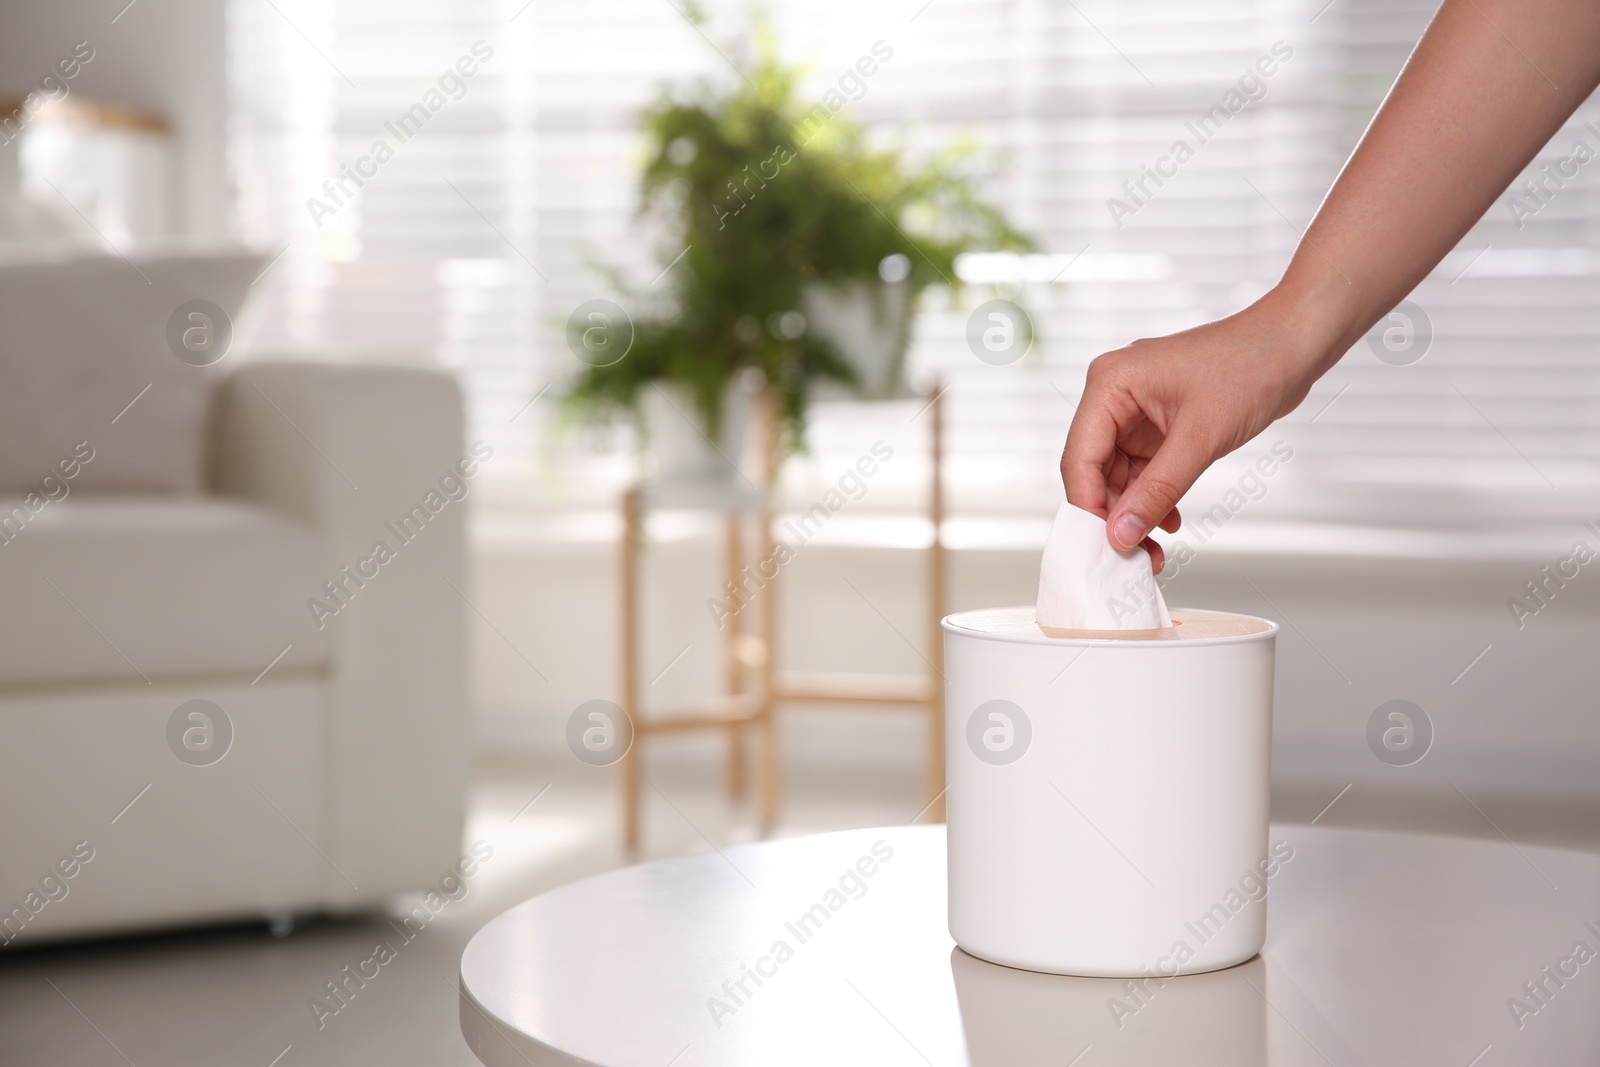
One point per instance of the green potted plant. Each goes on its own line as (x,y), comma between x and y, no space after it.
(792,252)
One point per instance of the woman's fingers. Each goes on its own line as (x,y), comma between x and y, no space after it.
(1089,460)
(1158,556)
(1152,497)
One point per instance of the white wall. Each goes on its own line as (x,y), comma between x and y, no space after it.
(165,56)
(1368,616)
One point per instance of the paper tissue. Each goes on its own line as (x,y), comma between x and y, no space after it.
(1086,584)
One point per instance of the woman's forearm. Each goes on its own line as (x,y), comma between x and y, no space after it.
(1488,86)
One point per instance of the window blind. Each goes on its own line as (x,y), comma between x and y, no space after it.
(475,240)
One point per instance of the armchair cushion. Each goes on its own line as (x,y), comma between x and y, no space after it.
(86,358)
(140,588)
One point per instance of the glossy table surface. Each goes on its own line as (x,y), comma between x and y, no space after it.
(1382,948)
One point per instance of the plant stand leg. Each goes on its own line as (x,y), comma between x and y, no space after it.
(733,631)
(934,767)
(766,717)
(628,580)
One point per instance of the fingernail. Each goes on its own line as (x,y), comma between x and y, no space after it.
(1127,530)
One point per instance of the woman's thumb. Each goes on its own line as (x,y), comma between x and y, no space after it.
(1182,457)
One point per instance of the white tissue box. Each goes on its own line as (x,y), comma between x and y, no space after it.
(1107,812)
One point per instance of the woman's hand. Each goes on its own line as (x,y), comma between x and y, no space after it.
(1157,413)
(1473,106)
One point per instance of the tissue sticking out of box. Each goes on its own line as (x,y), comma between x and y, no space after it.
(1085,584)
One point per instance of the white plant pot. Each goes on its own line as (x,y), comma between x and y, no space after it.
(1108,796)
(681,451)
(870,325)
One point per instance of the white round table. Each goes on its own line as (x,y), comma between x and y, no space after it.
(1382,949)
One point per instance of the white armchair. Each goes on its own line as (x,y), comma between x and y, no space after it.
(344,778)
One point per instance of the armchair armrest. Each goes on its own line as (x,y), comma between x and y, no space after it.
(372,457)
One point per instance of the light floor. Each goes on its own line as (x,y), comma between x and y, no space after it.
(238,996)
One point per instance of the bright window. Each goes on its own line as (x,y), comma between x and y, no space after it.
(475,240)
